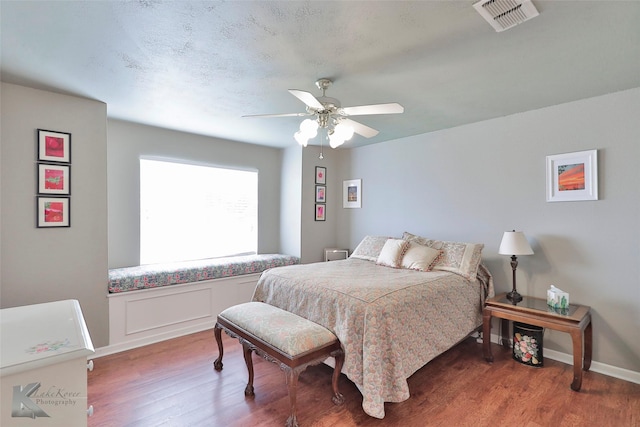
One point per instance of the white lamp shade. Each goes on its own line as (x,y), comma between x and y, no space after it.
(335,141)
(514,243)
(309,128)
(344,131)
(301,138)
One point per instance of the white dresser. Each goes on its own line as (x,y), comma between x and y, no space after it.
(43,365)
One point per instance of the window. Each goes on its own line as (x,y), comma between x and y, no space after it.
(190,211)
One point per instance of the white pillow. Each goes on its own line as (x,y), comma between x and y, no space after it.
(392,252)
(419,257)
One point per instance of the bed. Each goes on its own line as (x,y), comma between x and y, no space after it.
(391,319)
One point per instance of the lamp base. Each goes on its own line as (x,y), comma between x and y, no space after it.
(514,296)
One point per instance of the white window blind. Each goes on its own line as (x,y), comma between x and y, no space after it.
(190,212)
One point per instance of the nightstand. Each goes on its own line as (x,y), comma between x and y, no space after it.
(335,254)
(535,311)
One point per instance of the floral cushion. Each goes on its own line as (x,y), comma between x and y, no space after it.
(286,331)
(369,248)
(457,257)
(420,257)
(156,275)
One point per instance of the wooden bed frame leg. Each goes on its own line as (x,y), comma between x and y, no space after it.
(292,383)
(338,398)
(248,391)
(217,364)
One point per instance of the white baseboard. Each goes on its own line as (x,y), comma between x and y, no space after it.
(141,342)
(601,368)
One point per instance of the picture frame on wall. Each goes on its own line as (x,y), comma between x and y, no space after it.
(321,211)
(321,194)
(54,179)
(352,193)
(53,212)
(54,146)
(321,175)
(572,176)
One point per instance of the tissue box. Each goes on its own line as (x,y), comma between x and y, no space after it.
(557,299)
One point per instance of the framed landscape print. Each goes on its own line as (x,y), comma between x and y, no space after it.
(352,193)
(572,176)
(53,212)
(54,146)
(54,179)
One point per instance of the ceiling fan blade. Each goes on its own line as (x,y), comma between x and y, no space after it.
(360,129)
(363,110)
(307,98)
(279,115)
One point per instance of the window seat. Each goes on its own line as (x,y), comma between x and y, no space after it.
(154,303)
(166,274)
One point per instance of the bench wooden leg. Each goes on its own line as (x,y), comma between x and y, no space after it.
(217,364)
(246,350)
(292,383)
(338,398)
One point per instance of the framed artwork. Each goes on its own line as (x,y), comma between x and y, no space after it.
(572,176)
(352,193)
(321,194)
(320,212)
(54,146)
(53,212)
(54,179)
(321,175)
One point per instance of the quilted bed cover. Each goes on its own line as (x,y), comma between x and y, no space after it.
(391,322)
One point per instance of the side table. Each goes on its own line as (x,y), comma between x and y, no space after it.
(576,321)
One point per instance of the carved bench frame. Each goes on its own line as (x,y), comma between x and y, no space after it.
(291,365)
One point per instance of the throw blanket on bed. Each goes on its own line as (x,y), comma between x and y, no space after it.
(390,322)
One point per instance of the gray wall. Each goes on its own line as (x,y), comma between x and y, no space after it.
(41,265)
(474,182)
(317,235)
(290,201)
(129,141)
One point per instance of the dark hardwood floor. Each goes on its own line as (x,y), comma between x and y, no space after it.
(173,383)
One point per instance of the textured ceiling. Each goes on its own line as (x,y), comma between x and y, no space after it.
(199,66)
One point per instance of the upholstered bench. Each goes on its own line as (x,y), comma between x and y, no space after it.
(281,337)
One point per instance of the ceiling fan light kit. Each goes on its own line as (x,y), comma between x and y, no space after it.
(331,116)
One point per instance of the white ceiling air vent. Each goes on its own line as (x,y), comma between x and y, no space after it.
(504,14)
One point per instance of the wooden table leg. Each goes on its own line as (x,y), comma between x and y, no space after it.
(486,335)
(505,334)
(588,345)
(576,337)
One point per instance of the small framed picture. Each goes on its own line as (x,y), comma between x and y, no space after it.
(352,193)
(54,146)
(321,194)
(320,212)
(54,179)
(321,175)
(572,176)
(53,212)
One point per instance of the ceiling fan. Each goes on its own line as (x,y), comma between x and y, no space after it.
(328,114)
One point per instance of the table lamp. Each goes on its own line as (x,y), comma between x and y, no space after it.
(514,243)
